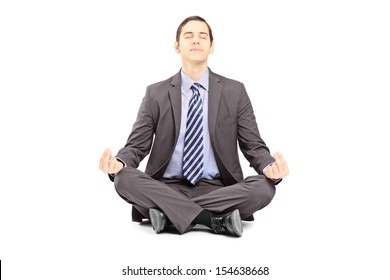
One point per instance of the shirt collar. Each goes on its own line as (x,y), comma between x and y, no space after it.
(187,82)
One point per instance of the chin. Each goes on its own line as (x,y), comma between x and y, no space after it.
(197,59)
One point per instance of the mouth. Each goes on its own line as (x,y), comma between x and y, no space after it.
(196,50)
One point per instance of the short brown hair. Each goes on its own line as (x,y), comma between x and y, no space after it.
(197,18)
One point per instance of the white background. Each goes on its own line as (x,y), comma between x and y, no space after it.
(72,76)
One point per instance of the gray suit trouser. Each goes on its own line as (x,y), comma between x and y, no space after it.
(182,202)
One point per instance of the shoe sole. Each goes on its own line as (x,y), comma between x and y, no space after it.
(237,223)
(157,219)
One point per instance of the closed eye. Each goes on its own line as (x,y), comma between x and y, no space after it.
(188,35)
(203,35)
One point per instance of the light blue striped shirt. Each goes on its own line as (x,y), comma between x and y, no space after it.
(174,169)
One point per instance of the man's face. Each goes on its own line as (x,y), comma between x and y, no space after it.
(194,44)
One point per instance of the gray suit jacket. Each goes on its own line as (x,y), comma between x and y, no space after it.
(231,121)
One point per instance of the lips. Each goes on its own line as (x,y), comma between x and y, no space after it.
(196,50)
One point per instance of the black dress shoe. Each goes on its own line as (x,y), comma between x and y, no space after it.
(158,219)
(227,223)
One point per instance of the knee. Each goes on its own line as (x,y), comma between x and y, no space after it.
(123,182)
(262,191)
(267,192)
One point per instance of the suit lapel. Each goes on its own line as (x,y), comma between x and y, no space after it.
(215,91)
(175,98)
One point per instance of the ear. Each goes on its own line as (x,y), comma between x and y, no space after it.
(211,47)
(177,47)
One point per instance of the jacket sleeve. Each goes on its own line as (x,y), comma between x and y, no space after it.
(251,144)
(140,140)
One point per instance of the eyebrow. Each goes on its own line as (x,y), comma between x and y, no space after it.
(192,33)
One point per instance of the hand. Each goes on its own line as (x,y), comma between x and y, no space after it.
(278,169)
(109,164)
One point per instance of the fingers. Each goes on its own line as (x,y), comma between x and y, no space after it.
(112,165)
(275,171)
(104,164)
(281,166)
(278,169)
(109,164)
(115,166)
(270,172)
(279,163)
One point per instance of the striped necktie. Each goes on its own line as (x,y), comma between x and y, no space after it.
(193,141)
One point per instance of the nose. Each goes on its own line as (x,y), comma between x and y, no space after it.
(195,40)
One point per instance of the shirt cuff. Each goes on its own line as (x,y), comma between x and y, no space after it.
(274,180)
(265,168)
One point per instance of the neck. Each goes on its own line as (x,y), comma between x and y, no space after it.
(194,71)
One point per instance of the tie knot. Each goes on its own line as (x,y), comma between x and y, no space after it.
(195,88)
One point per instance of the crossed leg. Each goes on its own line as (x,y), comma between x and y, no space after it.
(182,203)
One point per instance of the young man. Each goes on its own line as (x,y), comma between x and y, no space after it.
(193,122)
